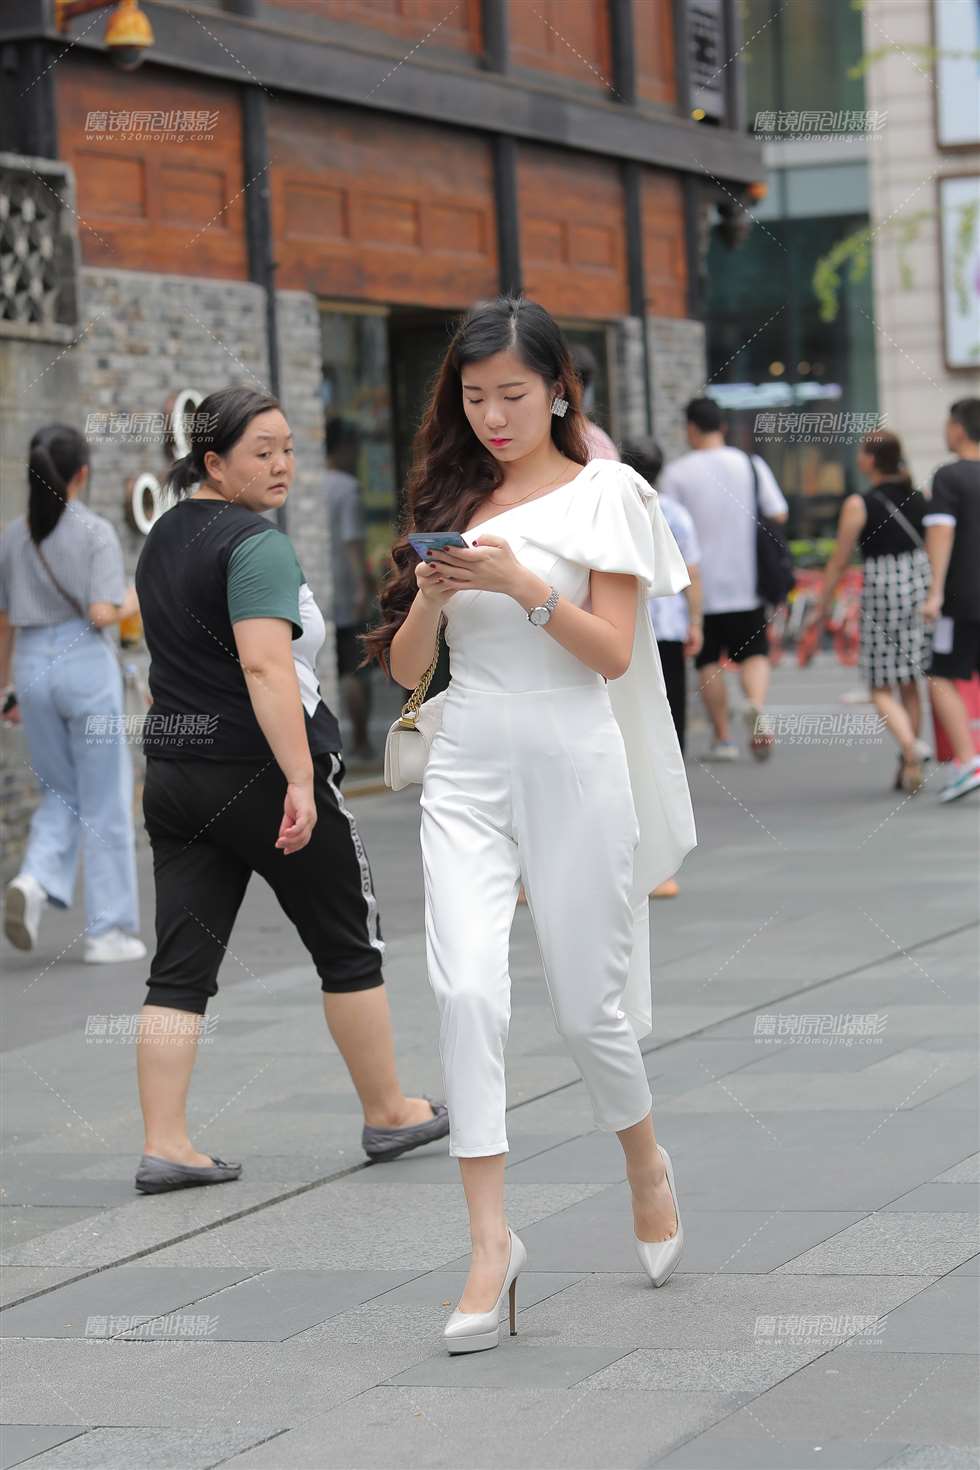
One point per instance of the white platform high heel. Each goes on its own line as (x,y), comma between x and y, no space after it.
(660,1257)
(472,1332)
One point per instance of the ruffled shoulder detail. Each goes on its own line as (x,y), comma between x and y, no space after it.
(611,521)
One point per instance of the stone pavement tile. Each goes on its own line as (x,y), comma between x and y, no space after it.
(787,1056)
(139,1226)
(933,1017)
(279,1304)
(416,1313)
(400,1226)
(593,1156)
(20,1224)
(699,1371)
(963,1095)
(187,1384)
(514,1364)
(731,1313)
(939,1198)
(18,1442)
(766,1162)
(968,1268)
(713,1451)
(597,1235)
(967,1171)
(909,1077)
(903,1397)
(459,1429)
(73,1190)
(152,1449)
(936,1457)
(77,1310)
(896,1243)
(20,1281)
(945,1318)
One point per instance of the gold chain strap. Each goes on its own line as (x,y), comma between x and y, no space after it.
(410,709)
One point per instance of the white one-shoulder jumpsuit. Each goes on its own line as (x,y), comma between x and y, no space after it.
(529,779)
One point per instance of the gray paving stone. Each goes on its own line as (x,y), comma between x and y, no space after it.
(279,1304)
(101,1240)
(151,1449)
(968,1268)
(18,1442)
(714,1452)
(939,1198)
(512,1365)
(906,1397)
(424,1428)
(188,1384)
(22,1224)
(894,1242)
(597,1235)
(967,1171)
(945,1318)
(936,1457)
(21,1281)
(685,1370)
(126,1291)
(715,1312)
(399,1226)
(415,1314)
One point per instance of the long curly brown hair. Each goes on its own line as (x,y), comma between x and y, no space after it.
(452,472)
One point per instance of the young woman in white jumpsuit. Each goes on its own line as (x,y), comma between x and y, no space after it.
(542,772)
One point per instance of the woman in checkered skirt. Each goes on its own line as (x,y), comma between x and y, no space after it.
(885,524)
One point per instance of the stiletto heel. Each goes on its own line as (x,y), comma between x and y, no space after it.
(472,1332)
(660,1257)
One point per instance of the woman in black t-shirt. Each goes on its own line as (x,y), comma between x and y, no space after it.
(243,771)
(885,525)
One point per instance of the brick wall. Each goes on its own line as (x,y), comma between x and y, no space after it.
(142,338)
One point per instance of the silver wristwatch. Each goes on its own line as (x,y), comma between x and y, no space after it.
(541,615)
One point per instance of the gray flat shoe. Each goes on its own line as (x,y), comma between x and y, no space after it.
(157,1176)
(381,1144)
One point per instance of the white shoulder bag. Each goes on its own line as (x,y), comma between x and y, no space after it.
(411,735)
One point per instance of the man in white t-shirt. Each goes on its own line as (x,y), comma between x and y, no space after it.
(714,484)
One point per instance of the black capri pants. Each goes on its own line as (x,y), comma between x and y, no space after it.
(211,825)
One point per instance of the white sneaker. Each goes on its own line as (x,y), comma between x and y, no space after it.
(962,779)
(22,910)
(721,750)
(112,946)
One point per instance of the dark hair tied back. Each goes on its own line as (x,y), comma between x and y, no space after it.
(57,452)
(219,421)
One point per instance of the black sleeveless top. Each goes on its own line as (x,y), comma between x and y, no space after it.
(883,533)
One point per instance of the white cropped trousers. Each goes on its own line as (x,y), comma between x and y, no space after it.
(533,786)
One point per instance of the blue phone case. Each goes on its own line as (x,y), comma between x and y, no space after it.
(425,542)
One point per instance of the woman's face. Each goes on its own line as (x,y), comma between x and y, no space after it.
(258,471)
(865,463)
(507,404)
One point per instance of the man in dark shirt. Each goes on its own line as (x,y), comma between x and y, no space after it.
(953,543)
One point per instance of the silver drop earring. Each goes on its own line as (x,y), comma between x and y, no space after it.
(559,407)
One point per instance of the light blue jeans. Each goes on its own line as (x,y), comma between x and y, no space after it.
(68,681)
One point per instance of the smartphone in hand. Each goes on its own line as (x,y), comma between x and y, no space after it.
(424,543)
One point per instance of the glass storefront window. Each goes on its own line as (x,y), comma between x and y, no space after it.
(356,386)
(769,350)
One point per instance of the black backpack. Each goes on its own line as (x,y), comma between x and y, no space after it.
(775,573)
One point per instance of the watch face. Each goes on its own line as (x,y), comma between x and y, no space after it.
(539,616)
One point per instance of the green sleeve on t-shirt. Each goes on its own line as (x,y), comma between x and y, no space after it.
(264,579)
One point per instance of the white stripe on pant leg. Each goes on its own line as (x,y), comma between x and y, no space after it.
(367,889)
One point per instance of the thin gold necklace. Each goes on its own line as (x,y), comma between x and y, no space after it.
(507,503)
